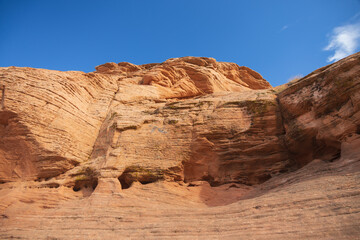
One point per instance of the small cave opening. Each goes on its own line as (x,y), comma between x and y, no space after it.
(125,182)
(335,156)
(76,188)
(210,179)
(263,178)
(139,174)
(88,184)
(146,181)
(86,180)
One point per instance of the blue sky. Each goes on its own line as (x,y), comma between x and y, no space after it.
(278,39)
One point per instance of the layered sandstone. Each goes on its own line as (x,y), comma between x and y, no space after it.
(50,120)
(322,112)
(187,76)
(190,147)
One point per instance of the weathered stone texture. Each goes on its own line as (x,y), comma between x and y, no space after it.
(188,148)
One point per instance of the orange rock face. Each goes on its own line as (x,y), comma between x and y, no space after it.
(50,120)
(190,147)
(188,76)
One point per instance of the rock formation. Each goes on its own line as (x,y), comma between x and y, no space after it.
(187,148)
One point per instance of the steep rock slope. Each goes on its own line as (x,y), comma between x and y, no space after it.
(50,120)
(217,138)
(187,148)
(322,112)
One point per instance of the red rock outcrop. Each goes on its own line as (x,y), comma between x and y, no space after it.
(186,148)
(321,112)
(188,76)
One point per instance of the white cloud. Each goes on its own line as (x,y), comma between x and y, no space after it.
(344,41)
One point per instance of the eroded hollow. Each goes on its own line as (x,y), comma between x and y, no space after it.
(86,179)
(139,174)
(125,181)
(51,185)
(89,184)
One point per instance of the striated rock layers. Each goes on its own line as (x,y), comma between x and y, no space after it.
(188,148)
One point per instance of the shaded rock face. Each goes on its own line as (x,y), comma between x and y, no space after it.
(321,112)
(50,120)
(185,135)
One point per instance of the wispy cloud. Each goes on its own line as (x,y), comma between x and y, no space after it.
(284,27)
(344,40)
(355,17)
(295,78)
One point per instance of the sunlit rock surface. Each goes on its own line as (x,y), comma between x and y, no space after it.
(189,148)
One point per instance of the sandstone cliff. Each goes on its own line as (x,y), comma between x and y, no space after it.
(188,147)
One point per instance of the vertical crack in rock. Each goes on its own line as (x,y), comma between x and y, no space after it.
(104,124)
(292,163)
(2,104)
